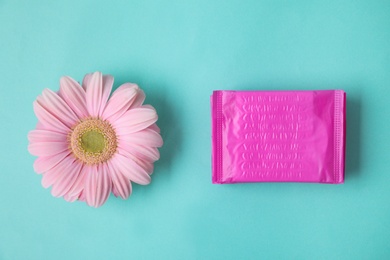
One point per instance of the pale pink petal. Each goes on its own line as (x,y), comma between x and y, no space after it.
(44,164)
(148,106)
(79,185)
(65,182)
(97,185)
(120,101)
(130,169)
(146,137)
(48,120)
(155,128)
(70,198)
(74,95)
(47,148)
(51,176)
(148,166)
(35,136)
(90,188)
(135,120)
(82,196)
(57,107)
(139,100)
(114,191)
(146,153)
(108,81)
(94,94)
(40,126)
(121,184)
(106,184)
(86,80)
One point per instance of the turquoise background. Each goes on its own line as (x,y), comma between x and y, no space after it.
(178,52)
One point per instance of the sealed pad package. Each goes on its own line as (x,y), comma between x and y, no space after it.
(278,136)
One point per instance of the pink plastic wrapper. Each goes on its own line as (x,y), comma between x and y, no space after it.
(278,136)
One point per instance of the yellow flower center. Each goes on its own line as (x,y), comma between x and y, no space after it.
(93,141)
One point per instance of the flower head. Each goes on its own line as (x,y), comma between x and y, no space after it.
(90,144)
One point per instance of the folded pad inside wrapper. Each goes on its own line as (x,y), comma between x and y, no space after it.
(278,136)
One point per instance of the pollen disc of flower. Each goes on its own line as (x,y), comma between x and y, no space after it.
(93,141)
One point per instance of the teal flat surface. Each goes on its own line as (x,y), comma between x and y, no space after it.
(178,52)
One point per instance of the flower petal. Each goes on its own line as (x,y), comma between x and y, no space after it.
(155,128)
(74,96)
(36,136)
(106,185)
(79,185)
(120,101)
(40,126)
(91,180)
(57,107)
(114,191)
(146,137)
(146,153)
(48,120)
(82,195)
(131,169)
(148,166)
(70,198)
(121,184)
(94,94)
(44,164)
(47,148)
(65,182)
(139,100)
(97,185)
(51,176)
(135,120)
(108,81)
(86,80)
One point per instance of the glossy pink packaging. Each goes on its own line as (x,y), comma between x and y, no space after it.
(278,136)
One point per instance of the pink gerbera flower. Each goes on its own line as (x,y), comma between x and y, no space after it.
(89,144)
